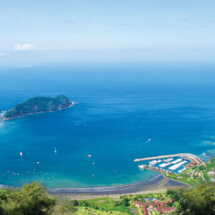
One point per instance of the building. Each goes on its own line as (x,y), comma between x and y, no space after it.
(137,204)
(159,206)
(162,209)
(211,173)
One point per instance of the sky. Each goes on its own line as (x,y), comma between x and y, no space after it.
(108,30)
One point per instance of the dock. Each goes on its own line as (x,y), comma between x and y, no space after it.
(190,156)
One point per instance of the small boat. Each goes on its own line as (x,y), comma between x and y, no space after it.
(38,162)
(20,153)
(93,163)
(149,139)
(89,156)
(93,175)
(55,150)
(141,166)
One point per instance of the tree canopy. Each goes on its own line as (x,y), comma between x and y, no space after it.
(199,200)
(30,200)
(38,104)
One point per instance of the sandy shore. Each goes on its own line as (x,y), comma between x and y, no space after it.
(158,184)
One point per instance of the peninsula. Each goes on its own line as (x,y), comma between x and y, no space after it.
(39,104)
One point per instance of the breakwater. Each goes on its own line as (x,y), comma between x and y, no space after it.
(184,155)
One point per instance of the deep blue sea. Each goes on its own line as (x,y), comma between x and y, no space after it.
(118,108)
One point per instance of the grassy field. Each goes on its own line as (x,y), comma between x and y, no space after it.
(107,205)
(84,211)
(185,178)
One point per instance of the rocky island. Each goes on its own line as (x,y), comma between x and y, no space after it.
(38,104)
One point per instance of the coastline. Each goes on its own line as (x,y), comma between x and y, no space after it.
(155,185)
(72,104)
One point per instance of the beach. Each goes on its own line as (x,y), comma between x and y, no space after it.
(158,184)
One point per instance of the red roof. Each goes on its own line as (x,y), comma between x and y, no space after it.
(145,211)
(165,209)
(137,204)
(159,206)
(151,207)
(170,200)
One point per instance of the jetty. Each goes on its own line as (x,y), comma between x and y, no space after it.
(184,155)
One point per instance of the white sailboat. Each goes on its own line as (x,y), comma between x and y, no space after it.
(55,150)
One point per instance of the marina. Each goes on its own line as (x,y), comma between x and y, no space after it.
(172,163)
(176,166)
(188,155)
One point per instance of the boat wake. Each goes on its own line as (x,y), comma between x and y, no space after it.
(141,144)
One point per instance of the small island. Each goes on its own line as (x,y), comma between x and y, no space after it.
(38,104)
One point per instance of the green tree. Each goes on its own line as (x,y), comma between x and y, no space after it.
(168,204)
(197,201)
(125,202)
(75,202)
(30,200)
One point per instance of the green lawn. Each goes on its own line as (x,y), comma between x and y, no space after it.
(107,204)
(186,178)
(83,211)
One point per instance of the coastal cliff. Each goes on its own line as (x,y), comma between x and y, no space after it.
(38,105)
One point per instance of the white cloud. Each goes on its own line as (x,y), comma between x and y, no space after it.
(24,47)
(2,54)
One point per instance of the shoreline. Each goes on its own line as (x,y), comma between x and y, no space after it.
(156,185)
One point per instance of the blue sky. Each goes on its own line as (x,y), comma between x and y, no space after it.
(109,29)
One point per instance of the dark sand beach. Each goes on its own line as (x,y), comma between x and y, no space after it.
(155,185)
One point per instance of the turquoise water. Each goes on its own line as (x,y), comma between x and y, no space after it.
(119,107)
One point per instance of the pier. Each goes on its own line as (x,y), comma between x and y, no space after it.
(176,166)
(188,155)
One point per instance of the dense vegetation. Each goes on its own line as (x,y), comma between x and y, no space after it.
(209,166)
(37,105)
(197,201)
(32,199)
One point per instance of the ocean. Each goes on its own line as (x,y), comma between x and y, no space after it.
(119,106)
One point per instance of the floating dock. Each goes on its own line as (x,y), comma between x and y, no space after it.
(191,156)
(176,166)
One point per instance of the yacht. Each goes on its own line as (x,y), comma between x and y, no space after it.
(141,166)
